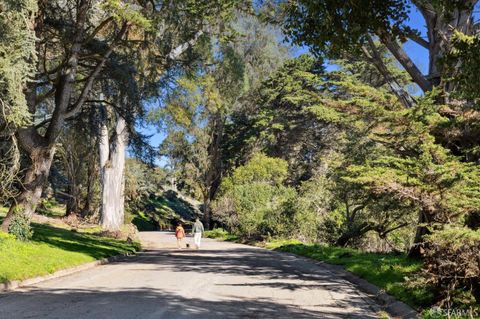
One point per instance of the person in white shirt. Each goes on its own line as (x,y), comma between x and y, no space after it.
(197,231)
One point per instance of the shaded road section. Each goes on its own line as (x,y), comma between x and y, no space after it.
(222,280)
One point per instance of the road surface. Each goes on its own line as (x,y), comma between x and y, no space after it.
(222,280)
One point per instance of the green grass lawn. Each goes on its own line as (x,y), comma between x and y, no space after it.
(52,249)
(387,271)
(221,234)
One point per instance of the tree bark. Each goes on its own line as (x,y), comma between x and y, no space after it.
(34,181)
(408,64)
(440,29)
(41,149)
(72,206)
(92,175)
(424,220)
(207,216)
(112,166)
(377,60)
(214,170)
(353,233)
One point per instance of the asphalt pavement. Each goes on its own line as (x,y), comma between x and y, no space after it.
(221,280)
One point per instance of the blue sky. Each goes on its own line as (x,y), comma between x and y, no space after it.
(418,54)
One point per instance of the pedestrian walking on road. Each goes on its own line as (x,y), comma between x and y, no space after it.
(197,232)
(180,234)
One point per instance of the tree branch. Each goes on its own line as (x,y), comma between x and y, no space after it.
(98,29)
(384,233)
(66,80)
(377,60)
(91,78)
(407,63)
(419,40)
(179,50)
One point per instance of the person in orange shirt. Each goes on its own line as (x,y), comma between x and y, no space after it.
(180,234)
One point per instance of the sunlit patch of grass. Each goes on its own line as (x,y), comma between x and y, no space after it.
(52,249)
(220,234)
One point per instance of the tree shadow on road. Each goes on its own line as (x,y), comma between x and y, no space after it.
(263,268)
(241,261)
(146,303)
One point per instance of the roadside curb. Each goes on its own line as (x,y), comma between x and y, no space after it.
(390,304)
(14,284)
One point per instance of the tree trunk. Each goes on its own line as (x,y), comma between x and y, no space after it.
(33,184)
(418,247)
(112,165)
(440,30)
(87,208)
(73,200)
(214,169)
(353,233)
(207,216)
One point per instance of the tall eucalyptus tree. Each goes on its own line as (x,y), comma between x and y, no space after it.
(76,41)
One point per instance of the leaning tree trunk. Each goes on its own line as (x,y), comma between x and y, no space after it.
(33,183)
(424,220)
(352,233)
(112,164)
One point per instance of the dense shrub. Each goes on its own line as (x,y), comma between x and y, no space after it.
(313,207)
(220,233)
(20,227)
(452,266)
(253,201)
(216,233)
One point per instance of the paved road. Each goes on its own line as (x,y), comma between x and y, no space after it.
(222,280)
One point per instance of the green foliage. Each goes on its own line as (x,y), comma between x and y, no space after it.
(253,202)
(313,208)
(6,236)
(20,227)
(377,164)
(17,60)
(197,112)
(220,233)
(260,169)
(334,27)
(323,123)
(465,78)
(141,180)
(50,207)
(122,12)
(419,170)
(277,117)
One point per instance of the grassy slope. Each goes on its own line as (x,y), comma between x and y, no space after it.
(53,248)
(163,210)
